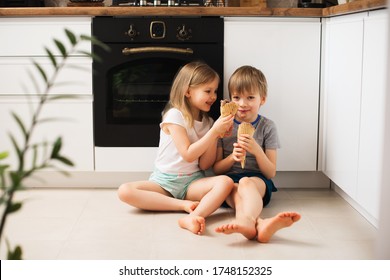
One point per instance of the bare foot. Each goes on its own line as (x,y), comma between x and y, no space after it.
(267,227)
(195,224)
(189,205)
(245,226)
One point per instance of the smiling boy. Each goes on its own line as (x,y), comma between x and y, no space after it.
(253,185)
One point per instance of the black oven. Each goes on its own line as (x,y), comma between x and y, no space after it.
(132,83)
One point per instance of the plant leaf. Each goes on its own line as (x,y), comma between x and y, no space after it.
(95,41)
(34,81)
(15,254)
(35,155)
(62,96)
(61,48)
(64,160)
(3,167)
(14,207)
(56,148)
(16,178)
(44,120)
(41,71)
(92,55)
(52,57)
(71,37)
(16,146)
(20,123)
(4,155)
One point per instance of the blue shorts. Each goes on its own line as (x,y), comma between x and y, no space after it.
(175,184)
(269,185)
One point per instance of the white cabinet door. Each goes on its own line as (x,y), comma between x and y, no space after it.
(75,78)
(27,36)
(343,68)
(372,111)
(354,112)
(287,51)
(23,38)
(73,123)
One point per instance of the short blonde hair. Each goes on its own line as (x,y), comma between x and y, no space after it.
(193,74)
(248,79)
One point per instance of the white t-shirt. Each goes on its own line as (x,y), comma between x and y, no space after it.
(168,158)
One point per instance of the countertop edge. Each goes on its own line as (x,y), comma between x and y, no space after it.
(352,7)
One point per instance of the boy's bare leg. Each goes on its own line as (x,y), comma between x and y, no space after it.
(266,228)
(248,203)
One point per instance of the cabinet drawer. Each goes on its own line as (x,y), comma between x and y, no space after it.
(71,80)
(72,121)
(29,36)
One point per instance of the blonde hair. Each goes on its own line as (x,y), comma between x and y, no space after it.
(193,74)
(248,79)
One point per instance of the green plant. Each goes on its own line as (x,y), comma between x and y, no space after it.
(43,154)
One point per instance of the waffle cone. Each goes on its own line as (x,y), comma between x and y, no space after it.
(228,108)
(245,128)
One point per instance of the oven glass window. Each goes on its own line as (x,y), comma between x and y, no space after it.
(139,90)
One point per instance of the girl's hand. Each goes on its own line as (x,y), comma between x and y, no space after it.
(229,132)
(223,124)
(238,152)
(249,144)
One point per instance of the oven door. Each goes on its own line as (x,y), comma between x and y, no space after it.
(132,85)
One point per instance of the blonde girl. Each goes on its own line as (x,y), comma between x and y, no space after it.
(188,144)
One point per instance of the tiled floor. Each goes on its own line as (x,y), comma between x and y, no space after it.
(94,224)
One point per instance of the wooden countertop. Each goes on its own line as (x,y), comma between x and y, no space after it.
(356,6)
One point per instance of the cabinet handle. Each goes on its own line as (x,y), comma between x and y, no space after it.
(129,51)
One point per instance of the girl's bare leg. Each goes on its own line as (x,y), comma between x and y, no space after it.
(248,202)
(266,228)
(148,195)
(211,192)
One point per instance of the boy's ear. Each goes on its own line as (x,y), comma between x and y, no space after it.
(263,99)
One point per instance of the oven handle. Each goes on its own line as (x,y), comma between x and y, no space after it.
(129,51)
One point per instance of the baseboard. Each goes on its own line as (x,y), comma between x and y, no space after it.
(301,179)
(100,179)
(355,205)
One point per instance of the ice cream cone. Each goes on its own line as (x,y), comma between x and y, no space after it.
(245,128)
(228,108)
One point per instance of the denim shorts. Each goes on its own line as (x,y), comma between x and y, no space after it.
(269,185)
(175,184)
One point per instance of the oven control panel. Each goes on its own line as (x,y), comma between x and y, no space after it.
(161,30)
(158,30)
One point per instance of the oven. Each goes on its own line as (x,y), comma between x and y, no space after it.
(132,83)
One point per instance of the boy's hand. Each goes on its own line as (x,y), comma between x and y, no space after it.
(238,152)
(249,144)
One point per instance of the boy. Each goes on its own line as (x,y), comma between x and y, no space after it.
(253,184)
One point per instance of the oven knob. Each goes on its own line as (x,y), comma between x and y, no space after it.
(183,33)
(132,32)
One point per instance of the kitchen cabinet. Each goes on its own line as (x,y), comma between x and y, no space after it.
(24,39)
(74,128)
(353,108)
(287,51)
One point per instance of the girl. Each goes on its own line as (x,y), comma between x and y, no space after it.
(248,89)
(188,144)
